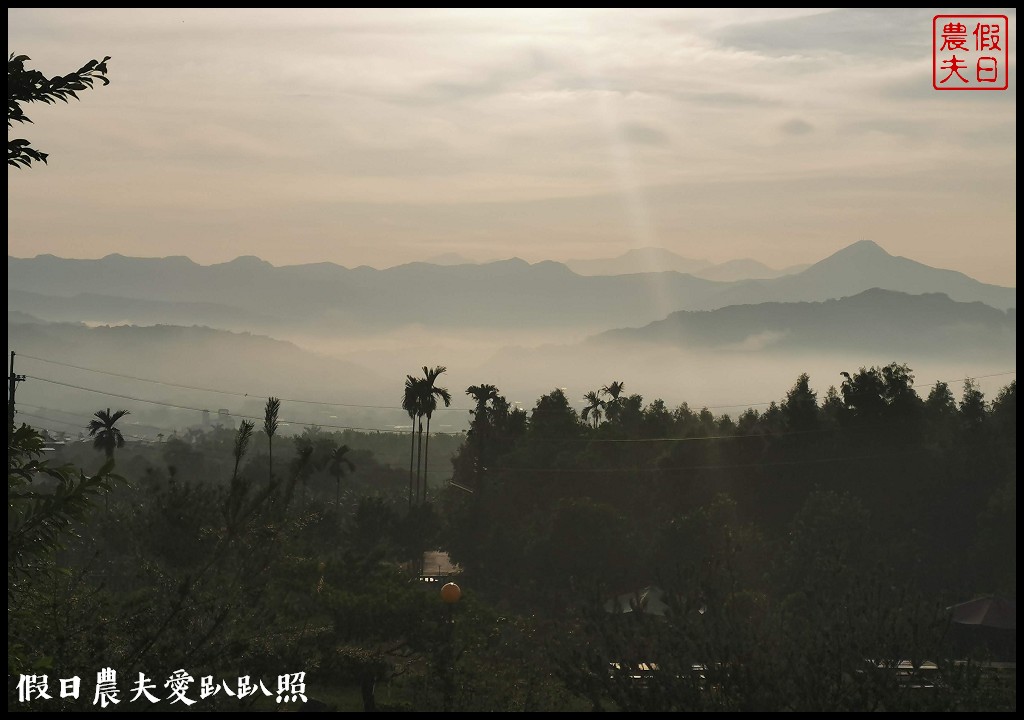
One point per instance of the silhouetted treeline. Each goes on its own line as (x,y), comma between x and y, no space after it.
(800,550)
(931,475)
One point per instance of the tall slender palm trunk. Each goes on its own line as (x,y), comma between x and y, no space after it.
(419,457)
(270,463)
(412,455)
(426,458)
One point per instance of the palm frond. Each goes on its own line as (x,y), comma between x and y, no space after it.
(242,438)
(270,416)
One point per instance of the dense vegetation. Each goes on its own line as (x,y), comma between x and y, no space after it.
(788,547)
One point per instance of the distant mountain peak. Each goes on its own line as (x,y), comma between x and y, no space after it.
(863,248)
(248,261)
(637,260)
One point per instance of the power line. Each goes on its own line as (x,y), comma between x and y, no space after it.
(225,392)
(964,379)
(557,440)
(145,425)
(46,419)
(397,407)
(76,425)
(12,387)
(394,430)
(381,407)
(402,431)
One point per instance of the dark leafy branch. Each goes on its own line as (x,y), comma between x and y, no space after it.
(26,86)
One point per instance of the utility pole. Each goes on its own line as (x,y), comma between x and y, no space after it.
(12,385)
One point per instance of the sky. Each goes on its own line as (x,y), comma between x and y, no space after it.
(387,136)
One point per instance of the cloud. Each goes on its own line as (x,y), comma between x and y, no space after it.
(228,130)
(797,127)
(642,134)
(866,32)
(758,341)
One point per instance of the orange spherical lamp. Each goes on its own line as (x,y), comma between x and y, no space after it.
(451,593)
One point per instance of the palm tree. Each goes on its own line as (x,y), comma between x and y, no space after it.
(613,391)
(235,499)
(411,404)
(301,464)
(596,406)
(482,425)
(428,405)
(106,436)
(336,464)
(242,438)
(482,394)
(270,428)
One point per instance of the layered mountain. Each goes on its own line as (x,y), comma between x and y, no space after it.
(884,321)
(862,266)
(655,259)
(331,298)
(55,355)
(746,269)
(99,309)
(250,294)
(639,260)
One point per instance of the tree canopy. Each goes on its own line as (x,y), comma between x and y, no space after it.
(25,85)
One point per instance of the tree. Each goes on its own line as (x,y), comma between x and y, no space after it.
(832,407)
(411,404)
(27,86)
(39,523)
(106,436)
(483,394)
(882,401)
(941,414)
(554,417)
(595,406)
(337,461)
(482,425)
(863,396)
(801,406)
(302,463)
(1004,410)
(613,391)
(270,428)
(972,405)
(242,439)
(428,404)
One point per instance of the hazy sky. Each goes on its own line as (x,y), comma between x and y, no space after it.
(385,136)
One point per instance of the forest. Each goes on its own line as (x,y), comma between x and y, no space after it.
(635,557)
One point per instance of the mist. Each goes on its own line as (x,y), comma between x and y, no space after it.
(356,381)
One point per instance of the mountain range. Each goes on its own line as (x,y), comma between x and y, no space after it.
(655,259)
(327,333)
(875,320)
(251,294)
